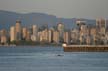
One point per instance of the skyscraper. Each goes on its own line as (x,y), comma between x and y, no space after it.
(60,28)
(3,39)
(101,25)
(35,32)
(18,30)
(80,23)
(12,34)
(56,38)
(24,33)
(67,37)
(74,36)
(35,29)
(3,32)
(3,36)
(28,36)
(44,35)
(50,36)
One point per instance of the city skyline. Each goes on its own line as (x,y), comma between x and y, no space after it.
(83,34)
(60,8)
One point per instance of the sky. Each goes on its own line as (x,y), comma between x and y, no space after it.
(59,8)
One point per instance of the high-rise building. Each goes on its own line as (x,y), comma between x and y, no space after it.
(3,36)
(3,32)
(18,30)
(75,36)
(18,26)
(56,38)
(88,40)
(101,25)
(100,22)
(33,38)
(39,36)
(67,37)
(84,29)
(35,32)
(50,36)
(80,23)
(44,35)
(35,29)
(24,33)
(61,28)
(28,36)
(93,31)
(3,39)
(0,35)
(12,34)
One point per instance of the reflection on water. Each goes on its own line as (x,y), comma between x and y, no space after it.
(51,59)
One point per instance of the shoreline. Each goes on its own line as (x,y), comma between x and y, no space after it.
(31,46)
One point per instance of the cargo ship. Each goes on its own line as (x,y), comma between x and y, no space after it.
(85,48)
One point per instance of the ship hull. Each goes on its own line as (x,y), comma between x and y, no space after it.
(80,48)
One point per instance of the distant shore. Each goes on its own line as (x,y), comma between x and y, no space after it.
(39,45)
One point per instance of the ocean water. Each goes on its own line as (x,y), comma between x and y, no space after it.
(50,59)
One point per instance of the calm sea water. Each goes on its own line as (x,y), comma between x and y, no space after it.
(48,59)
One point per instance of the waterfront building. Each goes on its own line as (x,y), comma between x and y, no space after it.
(93,33)
(39,36)
(35,29)
(33,38)
(67,37)
(80,23)
(3,34)
(0,35)
(18,30)
(24,33)
(60,28)
(106,38)
(84,29)
(3,39)
(81,40)
(56,38)
(74,36)
(28,36)
(43,35)
(12,34)
(50,36)
(101,25)
(35,32)
(88,40)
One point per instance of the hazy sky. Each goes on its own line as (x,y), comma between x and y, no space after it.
(60,8)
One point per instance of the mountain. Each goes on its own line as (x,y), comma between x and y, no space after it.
(8,19)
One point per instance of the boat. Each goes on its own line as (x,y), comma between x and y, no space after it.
(85,48)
